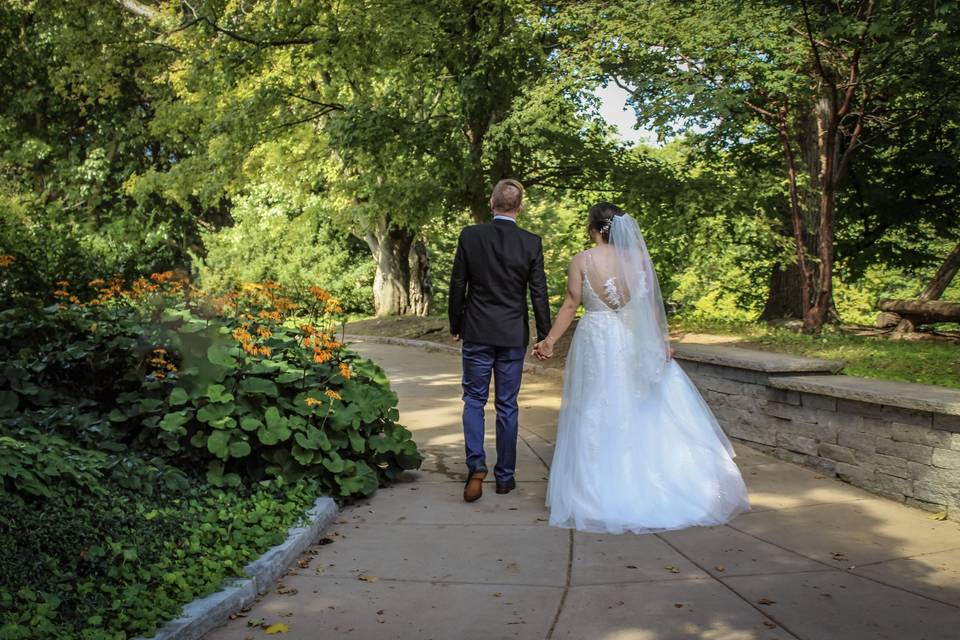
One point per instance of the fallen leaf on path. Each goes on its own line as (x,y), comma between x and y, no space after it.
(719,567)
(838,556)
(672,569)
(631,566)
(367,578)
(498,594)
(258,622)
(678,605)
(940,515)
(770,625)
(767,601)
(279,627)
(325,540)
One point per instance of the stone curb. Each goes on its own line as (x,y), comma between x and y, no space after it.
(207,613)
(528,367)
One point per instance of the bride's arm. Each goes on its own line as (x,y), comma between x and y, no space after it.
(568,310)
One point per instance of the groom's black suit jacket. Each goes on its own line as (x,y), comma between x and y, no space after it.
(495,265)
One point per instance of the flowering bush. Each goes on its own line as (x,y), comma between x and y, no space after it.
(121,403)
(246,386)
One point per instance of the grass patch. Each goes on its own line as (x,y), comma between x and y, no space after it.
(924,361)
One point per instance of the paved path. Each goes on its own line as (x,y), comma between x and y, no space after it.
(815,559)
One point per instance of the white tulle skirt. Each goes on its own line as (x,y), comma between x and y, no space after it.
(632,456)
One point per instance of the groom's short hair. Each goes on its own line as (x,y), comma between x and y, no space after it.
(507,196)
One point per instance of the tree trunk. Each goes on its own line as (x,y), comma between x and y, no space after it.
(421,285)
(923,311)
(785,294)
(944,276)
(401,285)
(822,307)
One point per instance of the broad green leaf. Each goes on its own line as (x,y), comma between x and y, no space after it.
(258,385)
(218,444)
(178,396)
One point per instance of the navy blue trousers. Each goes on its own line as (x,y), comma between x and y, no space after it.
(506,363)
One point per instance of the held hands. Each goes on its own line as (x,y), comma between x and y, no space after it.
(543,349)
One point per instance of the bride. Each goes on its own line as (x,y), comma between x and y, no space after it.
(637,448)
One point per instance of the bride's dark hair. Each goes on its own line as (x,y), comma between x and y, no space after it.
(601,216)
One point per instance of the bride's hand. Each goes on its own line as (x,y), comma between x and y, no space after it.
(544,349)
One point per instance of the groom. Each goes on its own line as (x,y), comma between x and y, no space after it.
(494,266)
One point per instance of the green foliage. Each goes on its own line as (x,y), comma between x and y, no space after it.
(103,559)
(926,362)
(239,392)
(155,439)
(290,241)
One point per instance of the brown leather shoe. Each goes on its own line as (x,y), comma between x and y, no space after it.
(506,487)
(474,487)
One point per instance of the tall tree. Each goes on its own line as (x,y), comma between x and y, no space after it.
(824,78)
(396,112)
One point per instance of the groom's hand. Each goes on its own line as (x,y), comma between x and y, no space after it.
(543,349)
(456,337)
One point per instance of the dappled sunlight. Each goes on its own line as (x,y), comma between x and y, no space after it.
(778,485)
(809,542)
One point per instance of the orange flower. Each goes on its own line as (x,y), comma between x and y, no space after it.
(6,261)
(270,315)
(345,370)
(333,306)
(330,393)
(321,356)
(313,402)
(161,365)
(263,332)
(322,295)
(142,286)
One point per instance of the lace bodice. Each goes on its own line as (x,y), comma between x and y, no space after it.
(609,301)
(603,289)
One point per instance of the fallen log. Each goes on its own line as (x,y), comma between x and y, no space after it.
(934,289)
(922,311)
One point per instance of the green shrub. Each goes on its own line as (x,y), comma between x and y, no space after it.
(232,385)
(155,439)
(97,559)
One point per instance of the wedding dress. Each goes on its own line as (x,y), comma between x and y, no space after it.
(637,447)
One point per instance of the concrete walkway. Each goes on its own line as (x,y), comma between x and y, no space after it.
(815,559)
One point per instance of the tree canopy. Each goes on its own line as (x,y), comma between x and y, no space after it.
(804,146)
